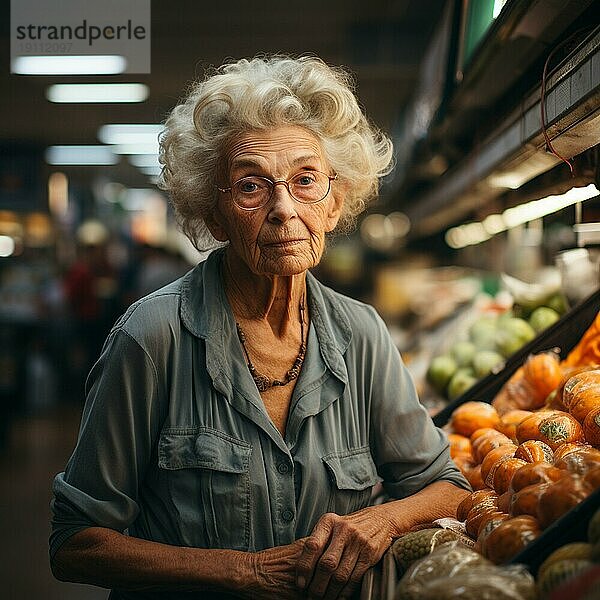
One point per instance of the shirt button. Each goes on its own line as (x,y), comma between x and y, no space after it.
(283,468)
(287,515)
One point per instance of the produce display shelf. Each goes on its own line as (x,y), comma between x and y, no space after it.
(563,335)
(382,579)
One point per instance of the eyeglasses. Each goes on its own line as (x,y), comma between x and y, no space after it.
(306,187)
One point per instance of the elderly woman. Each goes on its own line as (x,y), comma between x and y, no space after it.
(238,418)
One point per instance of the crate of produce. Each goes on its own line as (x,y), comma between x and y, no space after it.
(569,528)
(562,335)
(568,480)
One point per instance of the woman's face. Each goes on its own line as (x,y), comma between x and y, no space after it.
(284,237)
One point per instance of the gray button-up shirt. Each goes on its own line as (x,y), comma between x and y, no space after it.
(175,444)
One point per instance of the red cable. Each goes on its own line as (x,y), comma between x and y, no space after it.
(549,145)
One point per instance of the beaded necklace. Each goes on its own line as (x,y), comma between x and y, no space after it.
(263,382)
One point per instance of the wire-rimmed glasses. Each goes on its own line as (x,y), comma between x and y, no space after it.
(254,192)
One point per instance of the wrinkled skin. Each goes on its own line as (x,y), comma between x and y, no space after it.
(340,550)
(334,558)
(285,237)
(329,564)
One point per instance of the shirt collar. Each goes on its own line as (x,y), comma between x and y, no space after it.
(205,311)
(204,305)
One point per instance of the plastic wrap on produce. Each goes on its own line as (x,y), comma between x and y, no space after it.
(455,571)
(527,294)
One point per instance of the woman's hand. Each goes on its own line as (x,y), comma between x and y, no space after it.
(273,573)
(340,550)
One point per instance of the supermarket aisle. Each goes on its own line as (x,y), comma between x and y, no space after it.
(37,448)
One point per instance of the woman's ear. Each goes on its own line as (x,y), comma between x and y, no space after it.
(336,204)
(215,226)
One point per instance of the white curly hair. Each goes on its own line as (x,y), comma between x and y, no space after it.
(262,93)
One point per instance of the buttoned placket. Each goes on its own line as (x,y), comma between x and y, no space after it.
(322,381)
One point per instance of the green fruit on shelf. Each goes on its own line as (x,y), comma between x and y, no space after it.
(513,334)
(463,353)
(486,342)
(558,303)
(483,333)
(508,343)
(461,381)
(503,317)
(518,327)
(440,371)
(485,361)
(542,317)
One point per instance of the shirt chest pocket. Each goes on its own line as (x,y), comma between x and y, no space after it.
(352,474)
(208,479)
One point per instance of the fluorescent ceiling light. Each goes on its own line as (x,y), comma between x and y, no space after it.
(144,160)
(97,92)
(130,133)
(141,148)
(80,155)
(474,233)
(494,224)
(536,209)
(69,65)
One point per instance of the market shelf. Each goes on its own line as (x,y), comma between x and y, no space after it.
(563,335)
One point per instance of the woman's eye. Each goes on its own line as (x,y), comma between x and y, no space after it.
(305,180)
(248,187)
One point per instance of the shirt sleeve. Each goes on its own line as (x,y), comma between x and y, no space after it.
(119,425)
(410,452)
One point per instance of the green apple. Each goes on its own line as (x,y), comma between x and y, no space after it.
(440,371)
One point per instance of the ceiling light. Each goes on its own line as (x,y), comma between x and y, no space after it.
(7,246)
(494,224)
(69,65)
(130,133)
(475,233)
(80,155)
(92,233)
(144,160)
(141,148)
(537,209)
(512,180)
(97,92)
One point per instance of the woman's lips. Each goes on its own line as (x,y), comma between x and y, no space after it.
(283,243)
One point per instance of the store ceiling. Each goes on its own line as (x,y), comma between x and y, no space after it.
(380,41)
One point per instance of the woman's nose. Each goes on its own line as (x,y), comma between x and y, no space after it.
(283,206)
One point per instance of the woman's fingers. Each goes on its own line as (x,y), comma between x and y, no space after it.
(338,553)
(313,549)
(342,576)
(355,580)
(333,567)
